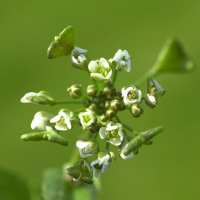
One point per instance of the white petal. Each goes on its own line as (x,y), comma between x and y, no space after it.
(95,162)
(105,167)
(115,141)
(93,66)
(128,66)
(97,172)
(160,91)
(109,74)
(99,77)
(139,96)
(24,98)
(118,56)
(129,156)
(104,159)
(102,132)
(55,119)
(81,144)
(152,99)
(120,134)
(61,127)
(126,55)
(103,62)
(109,128)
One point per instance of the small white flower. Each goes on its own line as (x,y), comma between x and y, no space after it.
(112,133)
(122,60)
(41,120)
(102,163)
(87,118)
(131,95)
(122,147)
(101,70)
(87,148)
(41,97)
(79,58)
(63,120)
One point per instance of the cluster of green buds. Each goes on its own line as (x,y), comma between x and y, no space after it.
(100,103)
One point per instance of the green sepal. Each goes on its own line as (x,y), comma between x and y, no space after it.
(63,44)
(173,58)
(140,139)
(46,135)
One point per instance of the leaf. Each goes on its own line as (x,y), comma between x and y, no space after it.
(173,58)
(54,186)
(13,186)
(63,44)
(46,135)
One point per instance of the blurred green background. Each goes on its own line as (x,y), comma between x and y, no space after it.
(170,168)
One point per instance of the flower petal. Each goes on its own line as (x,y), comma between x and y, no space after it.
(55,119)
(118,56)
(102,132)
(81,144)
(93,66)
(115,141)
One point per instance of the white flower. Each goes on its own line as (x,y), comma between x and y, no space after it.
(87,148)
(41,120)
(63,120)
(101,70)
(122,60)
(87,118)
(122,147)
(131,95)
(41,97)
(79,58)
(102,163)
(112,133)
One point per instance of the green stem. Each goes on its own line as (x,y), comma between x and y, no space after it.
(75,156)
(114,76)
(151,73)
(79,110)
(124,125)
(93,82)
(67,102)
(95,135)
(99,86)
(107,145)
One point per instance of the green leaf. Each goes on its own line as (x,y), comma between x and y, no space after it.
(13,186)
(54,186)
(173,58)
(46,135)
(63,44)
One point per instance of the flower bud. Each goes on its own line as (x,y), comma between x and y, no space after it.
(110,89)
(75,91)
(110,113)
(150,101)
(86,102)
(95,128)
(102,94)
(92,90)
(42,97)
(136,110)
(107,104)
(93,107)
(116,105)
(118,96)
(95,99)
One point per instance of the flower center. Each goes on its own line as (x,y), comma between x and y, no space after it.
(86,118)
(103,71)
(132,94)
(61,121)
(112,134)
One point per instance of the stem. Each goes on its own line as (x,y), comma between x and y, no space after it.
(95,135)
(114,76)
(93,82)
(151,73)
(75,156)
(79,110)
(99,86)
(67,102)
(107,145)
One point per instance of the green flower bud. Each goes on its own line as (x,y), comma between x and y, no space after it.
(102,94)
(86,102)
(103,118)
(110,89)
(116,105)
(150,101)
(107,104)
(95,128)
(109,97)
(75,91)
(95,99)
(118,96)
(92,90)
(110,113)
(93,107)
(136,110)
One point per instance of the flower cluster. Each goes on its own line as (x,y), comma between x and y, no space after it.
(99,112)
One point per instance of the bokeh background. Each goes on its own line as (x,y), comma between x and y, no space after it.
(168,169)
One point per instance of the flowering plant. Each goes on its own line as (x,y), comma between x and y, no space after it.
(100,104)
